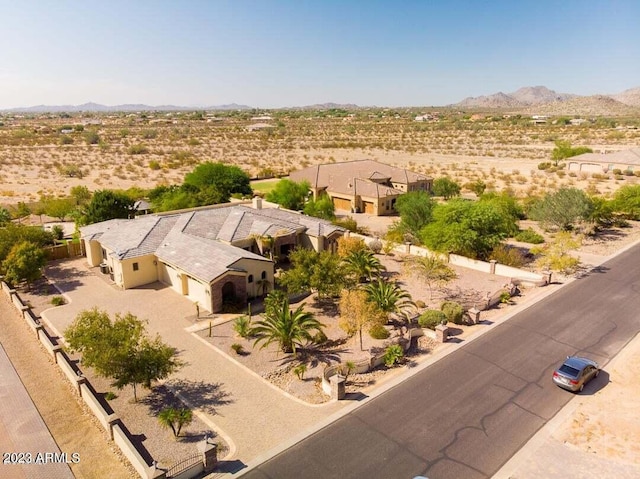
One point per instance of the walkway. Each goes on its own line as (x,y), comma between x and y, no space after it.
(252,413)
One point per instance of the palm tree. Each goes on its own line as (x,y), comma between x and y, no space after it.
(175,419)
(432,270)
(290,329)
(364,265)
(389,297)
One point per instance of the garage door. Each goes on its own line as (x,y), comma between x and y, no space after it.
(342,204)
(368,207)
(591,167)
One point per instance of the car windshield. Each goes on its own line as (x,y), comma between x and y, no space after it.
(569,371)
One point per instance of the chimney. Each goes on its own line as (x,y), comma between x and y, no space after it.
(257,203)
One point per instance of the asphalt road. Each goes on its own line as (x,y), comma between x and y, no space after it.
(466,415)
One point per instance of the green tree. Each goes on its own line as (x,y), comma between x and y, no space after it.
(389,297)
(478,187)
(12,234)
(445,187)
(508,207)
(120,349)
(24,263)
(562,209)
(323,208)
(290,329)
(416,211)
(468,228)
(80,194)
(289,194)
(175,419)
(226,179)
(59,208)
(627,201)
(564,150)
(363,265)
(357,312)
(5,216)
(432,270)
(106,205)
(321,272)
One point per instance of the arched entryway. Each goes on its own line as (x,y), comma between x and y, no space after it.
(229,292)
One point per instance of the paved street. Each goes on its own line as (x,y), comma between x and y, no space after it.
(24,433)
(466,415)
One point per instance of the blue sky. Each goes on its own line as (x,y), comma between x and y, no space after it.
(286,53)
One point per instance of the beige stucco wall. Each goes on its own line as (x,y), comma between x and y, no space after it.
(94,252)
(255,268)
(169,276)
(147,271)
(199,292)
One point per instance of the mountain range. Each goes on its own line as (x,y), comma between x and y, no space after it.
(531,99)
(96,107)
(544,100)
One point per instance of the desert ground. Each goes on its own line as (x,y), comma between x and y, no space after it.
(47,155)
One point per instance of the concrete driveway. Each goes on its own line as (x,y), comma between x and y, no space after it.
(253,415)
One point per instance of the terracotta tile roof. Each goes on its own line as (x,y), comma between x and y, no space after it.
(318,176)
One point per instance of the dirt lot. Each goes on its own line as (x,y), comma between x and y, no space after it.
(73,427)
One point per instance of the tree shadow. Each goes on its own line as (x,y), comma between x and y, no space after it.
(586,271)
(201,395)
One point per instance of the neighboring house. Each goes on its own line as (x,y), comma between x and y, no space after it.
(362,186)
(142,207)
(260,126)
(625,160)
(212,255)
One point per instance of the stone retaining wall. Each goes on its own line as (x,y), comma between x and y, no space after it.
(109,421)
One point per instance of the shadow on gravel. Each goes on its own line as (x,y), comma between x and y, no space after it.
(201,395)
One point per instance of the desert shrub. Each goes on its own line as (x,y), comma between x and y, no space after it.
(237,348)
(375,246)
(137,149)
(545,165)
(504,254)
(505,297)
(242,326)
(149,134)
(110,396)
(299,370)
(154,165)
(431,318)
(91,137)
(57,301)
(346,246)
(393,354)
(378,331)
(453,311)
(66,140)
(347,223)
(529,236)
(420,304)
(617,171)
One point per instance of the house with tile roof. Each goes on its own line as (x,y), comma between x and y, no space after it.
(212,255)
(363,185)
(625,160)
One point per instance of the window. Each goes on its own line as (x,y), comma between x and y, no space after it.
(250,279)
(135,267)
(264,275)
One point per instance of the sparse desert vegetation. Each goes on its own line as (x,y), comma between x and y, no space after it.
(47,155)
